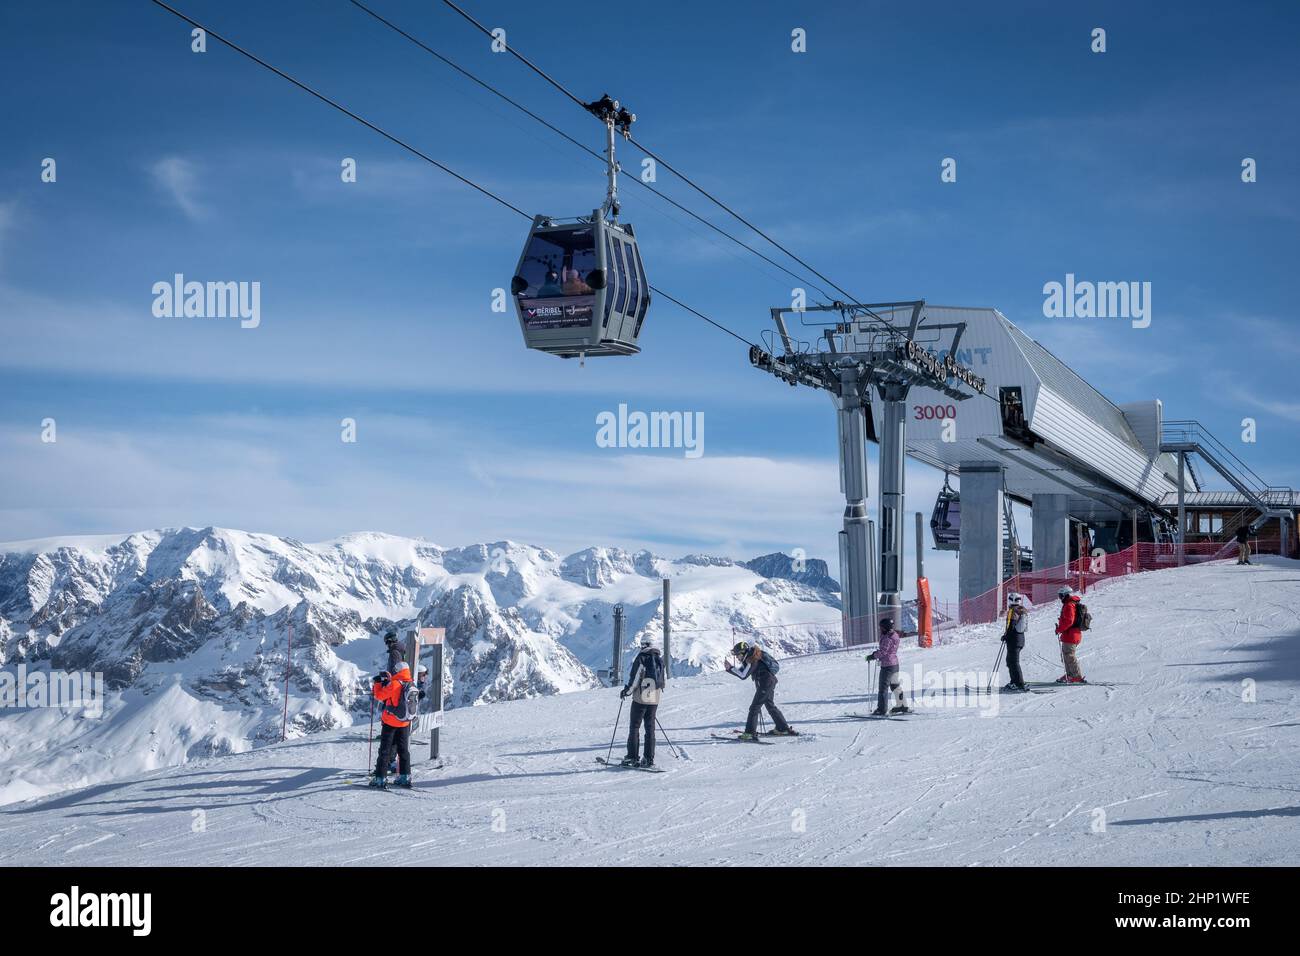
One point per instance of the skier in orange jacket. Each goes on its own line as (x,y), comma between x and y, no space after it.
(391,690)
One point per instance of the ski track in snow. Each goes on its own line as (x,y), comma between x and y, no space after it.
(1184,771)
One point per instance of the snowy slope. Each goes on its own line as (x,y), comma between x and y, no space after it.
(190,628)
(1178,767)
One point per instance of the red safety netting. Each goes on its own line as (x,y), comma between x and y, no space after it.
(1088,573)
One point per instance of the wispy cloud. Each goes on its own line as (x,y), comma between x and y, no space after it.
(178,179)
(1287,410)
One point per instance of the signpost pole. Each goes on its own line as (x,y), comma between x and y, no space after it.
(434,639)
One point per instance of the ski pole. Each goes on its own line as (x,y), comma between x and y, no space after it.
(666,740)
(996,664)
(609,753)
(370,736)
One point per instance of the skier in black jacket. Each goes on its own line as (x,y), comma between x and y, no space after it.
(752,662)
(396,656)
(645,682)
(1243,544)
(1014,637)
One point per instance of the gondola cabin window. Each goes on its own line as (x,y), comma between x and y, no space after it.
(557,265)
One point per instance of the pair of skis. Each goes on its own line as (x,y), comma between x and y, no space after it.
(619,765)
(903,716)
(1029,689)
(735,736)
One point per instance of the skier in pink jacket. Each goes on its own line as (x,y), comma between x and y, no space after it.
(887,656)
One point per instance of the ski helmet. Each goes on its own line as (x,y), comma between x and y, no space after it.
(646,643)
(422,669)
(886,623)
(390,637)
(741,649)
(1065,592)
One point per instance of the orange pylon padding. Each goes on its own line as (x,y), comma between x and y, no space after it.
(924,614)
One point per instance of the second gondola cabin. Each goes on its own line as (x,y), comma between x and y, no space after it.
(580,287)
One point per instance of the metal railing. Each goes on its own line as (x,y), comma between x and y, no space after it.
(1191,437)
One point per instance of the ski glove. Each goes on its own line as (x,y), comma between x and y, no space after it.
(382,677)
(624,692)
(871,656)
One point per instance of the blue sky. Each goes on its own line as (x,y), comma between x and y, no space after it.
(376,295)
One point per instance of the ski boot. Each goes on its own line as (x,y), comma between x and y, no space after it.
(788,732)
(378,782)
(630,762)
(403,780)
(746,735)
(1076,680)
(1063,679)
(646,762)
(1014,689)
(901,709)
(879,713)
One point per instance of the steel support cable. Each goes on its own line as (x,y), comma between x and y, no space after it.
(407,146)
(582,146)
(660,160)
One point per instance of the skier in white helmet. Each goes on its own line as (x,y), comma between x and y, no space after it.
(1014,637)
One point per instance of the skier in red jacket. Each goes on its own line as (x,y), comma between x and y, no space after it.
(1067,630)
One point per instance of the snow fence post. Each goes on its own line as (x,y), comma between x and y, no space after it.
(288,669)
(668,632)
(616,667)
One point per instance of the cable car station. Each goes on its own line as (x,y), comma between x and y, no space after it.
(1010,421)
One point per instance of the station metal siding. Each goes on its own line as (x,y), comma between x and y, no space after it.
(1060,378)
(1145,419)
(1091,443)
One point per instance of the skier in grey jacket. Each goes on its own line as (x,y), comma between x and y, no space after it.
(645,682)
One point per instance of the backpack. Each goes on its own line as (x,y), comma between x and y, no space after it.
(1082,617)
(654,669)
(772,664)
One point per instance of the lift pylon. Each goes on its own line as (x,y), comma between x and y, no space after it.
(851,357)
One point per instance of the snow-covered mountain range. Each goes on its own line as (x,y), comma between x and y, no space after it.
(190,628)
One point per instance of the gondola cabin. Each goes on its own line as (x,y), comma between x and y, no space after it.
(945,520)
(580,287)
